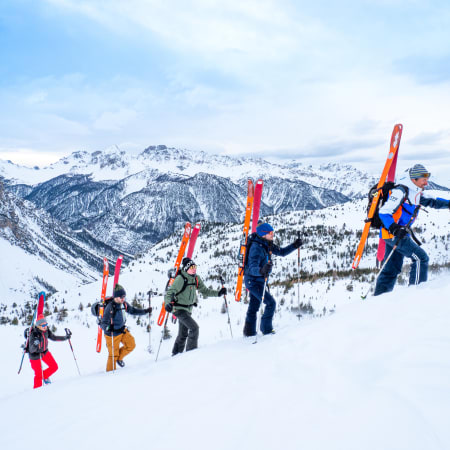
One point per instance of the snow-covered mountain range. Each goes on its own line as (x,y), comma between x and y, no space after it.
(130,202)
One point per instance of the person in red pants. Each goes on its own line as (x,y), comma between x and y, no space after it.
(38,351)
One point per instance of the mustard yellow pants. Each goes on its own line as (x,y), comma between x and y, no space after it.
(123,344)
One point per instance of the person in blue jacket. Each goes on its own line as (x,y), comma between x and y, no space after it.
(397,215)
(258,266)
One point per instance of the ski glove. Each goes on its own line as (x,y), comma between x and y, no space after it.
(148,310)
(169,307)
(398,231)
(297,243)
(68,333)
(26,333)
(223,291)
(266,269)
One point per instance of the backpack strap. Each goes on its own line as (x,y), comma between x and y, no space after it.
(186,283)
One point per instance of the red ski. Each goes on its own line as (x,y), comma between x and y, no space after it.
(257,203)
(183,245)
(386,175)
(193,240)
(243,248)
(102,307)
(117,271)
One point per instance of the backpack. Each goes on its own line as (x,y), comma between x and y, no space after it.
(96,306)
(385,190)
(173,274)
(250,240)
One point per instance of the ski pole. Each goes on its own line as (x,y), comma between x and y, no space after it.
(226,305)
(263,295)
(298,276)
(162,335)
(381,268)
(69,333)
(112,344)
(261,313)
(150,293)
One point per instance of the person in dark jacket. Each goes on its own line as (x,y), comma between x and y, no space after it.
(38,351)
(119,340)
(180,298)
(398,214)
(256,273)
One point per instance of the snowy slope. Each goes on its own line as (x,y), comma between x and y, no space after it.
(374,375)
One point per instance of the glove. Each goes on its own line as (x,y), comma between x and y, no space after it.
(398,231)
(169,307)
(68,333)
(297,243)
(26,333)
(265,270)
(148,310)
(109,328)
(223,291)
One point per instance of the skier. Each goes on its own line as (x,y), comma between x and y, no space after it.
(257,269)
(398,214)
(180,298)
(38,350)
(116,333)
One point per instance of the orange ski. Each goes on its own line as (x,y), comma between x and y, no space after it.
(103,296)
(183,245)
(392,156)
(243,248)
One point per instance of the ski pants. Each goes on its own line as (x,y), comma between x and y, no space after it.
(123,345)
(188,329)
(419,267)
(39,373)
(256,288)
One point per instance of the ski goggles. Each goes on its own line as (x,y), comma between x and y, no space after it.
(43,325)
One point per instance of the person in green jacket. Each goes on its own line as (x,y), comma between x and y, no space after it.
(180,298)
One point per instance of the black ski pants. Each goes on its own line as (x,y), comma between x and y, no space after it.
(187,330)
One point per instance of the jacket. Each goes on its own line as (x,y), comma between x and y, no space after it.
(118,312)
(186,299)
(258,255)
(403,211)
(38,342)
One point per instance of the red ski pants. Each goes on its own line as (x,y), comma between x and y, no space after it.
(39,374)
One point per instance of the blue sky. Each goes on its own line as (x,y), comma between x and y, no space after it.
(319,81)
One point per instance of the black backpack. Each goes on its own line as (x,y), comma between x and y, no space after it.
(96,306)
(250,240)
(375,221)
(173,274)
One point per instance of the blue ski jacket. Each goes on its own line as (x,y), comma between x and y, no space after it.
(258,255)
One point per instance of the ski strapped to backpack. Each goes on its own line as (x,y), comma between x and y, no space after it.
(386,175)
(182,249)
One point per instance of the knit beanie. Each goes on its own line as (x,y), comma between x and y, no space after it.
(418,171)
(41,320)
(119,291)
(187,263)
(263,229)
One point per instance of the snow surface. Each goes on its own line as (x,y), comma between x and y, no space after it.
(373,375)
